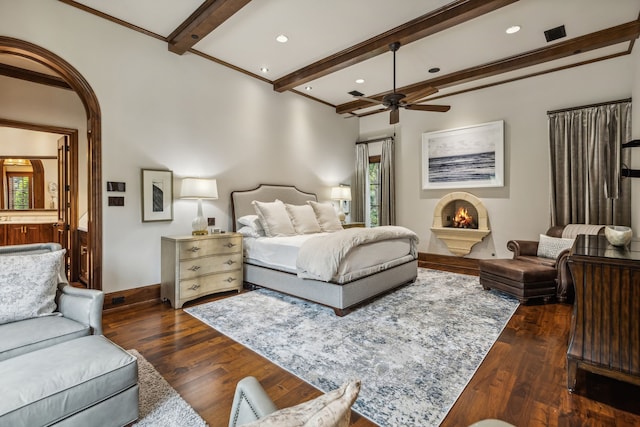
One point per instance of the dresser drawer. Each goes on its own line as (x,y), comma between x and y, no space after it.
(211,264)
(199,248)
(211,283)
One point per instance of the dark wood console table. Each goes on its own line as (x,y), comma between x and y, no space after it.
(605,327)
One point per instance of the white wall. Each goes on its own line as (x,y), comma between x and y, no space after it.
(521,208)
(185,114)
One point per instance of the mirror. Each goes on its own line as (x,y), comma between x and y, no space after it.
(29,183)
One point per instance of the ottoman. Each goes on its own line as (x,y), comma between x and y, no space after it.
(522,279)
(87,381)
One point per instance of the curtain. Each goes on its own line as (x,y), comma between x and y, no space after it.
(387,214)
(359,187)
(586,158)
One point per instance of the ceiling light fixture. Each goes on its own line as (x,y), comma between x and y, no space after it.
(282,38)
(513,29)
(434,70)
(308,88)
(264,69)
(359,81)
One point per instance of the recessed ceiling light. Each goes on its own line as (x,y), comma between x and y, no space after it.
(434,69)
(308,88)
(282,38)
(359,81)
(264,69)
(513,29)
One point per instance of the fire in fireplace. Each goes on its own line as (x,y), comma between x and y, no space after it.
(463,219)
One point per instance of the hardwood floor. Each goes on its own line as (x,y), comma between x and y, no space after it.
(522,380)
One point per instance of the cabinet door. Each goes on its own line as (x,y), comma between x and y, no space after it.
(45,233)
(3,234)
(16,234)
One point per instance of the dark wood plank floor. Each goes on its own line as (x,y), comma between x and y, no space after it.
(522,380)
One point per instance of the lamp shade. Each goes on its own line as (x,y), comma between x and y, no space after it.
(199,188)
(341,193)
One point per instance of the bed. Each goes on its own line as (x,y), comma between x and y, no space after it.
(353,285)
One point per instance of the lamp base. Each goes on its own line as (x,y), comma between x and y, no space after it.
(199,232)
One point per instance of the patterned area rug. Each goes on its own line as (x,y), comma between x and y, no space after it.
(414,349)
(160,405)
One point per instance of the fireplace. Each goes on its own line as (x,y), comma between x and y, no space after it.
(460,220)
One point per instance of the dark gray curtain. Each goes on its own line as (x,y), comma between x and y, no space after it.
(586,158)
(387,184)
(359,187)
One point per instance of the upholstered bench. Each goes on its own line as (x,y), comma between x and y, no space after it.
(521,279)
(84,381)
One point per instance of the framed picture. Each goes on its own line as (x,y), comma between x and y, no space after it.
(466,157)
(157,195)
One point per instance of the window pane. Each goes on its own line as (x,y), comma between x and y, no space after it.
(19,192)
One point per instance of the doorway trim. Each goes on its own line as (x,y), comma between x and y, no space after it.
(81,87)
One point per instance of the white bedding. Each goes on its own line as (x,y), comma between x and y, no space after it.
(281,253)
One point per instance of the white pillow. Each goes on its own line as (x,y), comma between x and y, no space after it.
(274,218)
(550,247)
(326,216)
(303,219)
(247,231)
(253,222)
(28,285)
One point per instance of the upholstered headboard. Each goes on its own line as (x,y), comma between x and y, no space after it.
(241,200)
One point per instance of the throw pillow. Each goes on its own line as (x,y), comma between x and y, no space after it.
(28,285)
(550,247)
(252,221)
(247,231)
(303,219)
(330,409)
(274,218)
(326,216)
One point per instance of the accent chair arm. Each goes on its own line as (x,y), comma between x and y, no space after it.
(81,305)
(523,247)
(250,403)
(564,278)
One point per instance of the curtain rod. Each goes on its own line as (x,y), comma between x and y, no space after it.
(382,138)
(563,110)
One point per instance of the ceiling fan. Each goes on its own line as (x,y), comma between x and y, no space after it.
(394,101)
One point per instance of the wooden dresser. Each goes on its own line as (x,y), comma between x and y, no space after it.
(195,266)
(605,327)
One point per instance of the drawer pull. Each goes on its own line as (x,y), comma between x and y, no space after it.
(194,268)
(230,279)
(194,286)
(230,245)
(230,262)
(194,249)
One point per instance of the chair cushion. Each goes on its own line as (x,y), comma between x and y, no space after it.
(53,383)
(518,271)
(331,409)
(21,337)
(28,285)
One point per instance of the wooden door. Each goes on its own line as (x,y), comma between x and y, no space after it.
(61,232)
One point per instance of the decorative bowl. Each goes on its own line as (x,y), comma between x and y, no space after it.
(618,235)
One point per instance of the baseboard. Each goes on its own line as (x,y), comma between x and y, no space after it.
(129,297)
(455,264)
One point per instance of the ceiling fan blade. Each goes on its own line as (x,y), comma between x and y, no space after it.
(364,98)
(394,116)
(428,107)
(421,94)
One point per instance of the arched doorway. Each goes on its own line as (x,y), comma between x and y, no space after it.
(88,98)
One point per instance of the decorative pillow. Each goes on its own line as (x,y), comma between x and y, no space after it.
(330,409)
(28,285)
(303,219)
(326,216)
(247,231)
(274,218)
(252,221)
(550,247)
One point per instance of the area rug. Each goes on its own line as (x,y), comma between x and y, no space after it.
(414,349)
(160,405)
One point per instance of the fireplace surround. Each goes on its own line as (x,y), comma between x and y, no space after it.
(460,240)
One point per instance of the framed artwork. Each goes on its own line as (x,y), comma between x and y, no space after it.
(466,157)
(157,195)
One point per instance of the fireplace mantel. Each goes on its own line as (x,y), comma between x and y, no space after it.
(460,240)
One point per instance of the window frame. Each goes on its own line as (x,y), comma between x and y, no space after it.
(373,160)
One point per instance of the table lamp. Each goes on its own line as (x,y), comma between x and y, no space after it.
(341,194)
(199,188)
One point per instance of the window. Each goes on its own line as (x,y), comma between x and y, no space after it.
(19,190)
(374,190)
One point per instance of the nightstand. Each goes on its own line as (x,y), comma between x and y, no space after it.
(195,266)
(353,225)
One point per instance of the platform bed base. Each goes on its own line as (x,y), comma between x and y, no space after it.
(342,298)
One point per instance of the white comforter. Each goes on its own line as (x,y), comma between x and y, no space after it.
(320,257)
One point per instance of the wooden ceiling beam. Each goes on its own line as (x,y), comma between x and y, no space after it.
(441,19)
(599,39)
(210,15)
(33,76)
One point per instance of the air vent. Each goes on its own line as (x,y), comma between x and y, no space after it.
(356,93)
(555,33)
